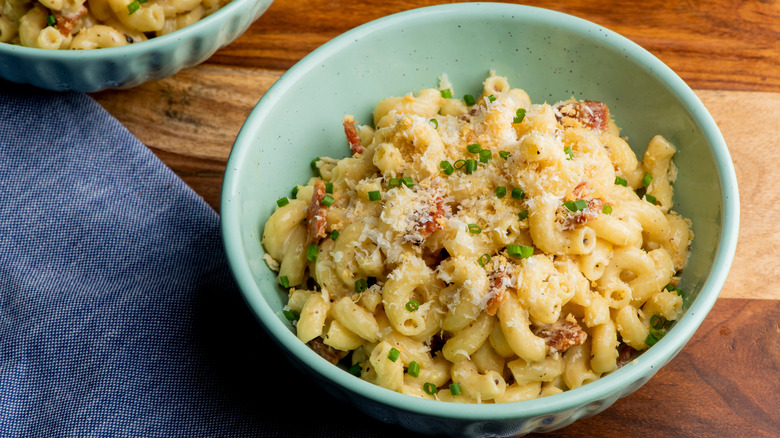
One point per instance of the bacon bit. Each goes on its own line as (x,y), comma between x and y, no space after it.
(497,292)
(65,23)
(561,335)
(625,354)
(570,220)
(352,136)
(327,352)
(590,113)
(435,216)
(317,213)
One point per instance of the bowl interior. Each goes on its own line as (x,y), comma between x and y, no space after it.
(553,57)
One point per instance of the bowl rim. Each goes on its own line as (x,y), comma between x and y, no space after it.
(166,42)
(615,383)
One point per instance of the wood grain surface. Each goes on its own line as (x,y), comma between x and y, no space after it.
(725,382)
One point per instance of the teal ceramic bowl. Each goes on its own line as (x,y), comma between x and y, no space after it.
(552,56)
(134,64)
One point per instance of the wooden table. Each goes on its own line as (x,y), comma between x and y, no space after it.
(726,382)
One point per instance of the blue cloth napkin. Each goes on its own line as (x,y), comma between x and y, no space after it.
(118,313)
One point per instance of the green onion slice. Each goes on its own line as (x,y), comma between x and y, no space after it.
(329,188)
(447,94)
(446,167)
(474,148)
(414,369)
(522,215)
(327,200)
(570,154)
(355,370)
(577,205)
(435,123)
(133,6)
(656,322)
(500,191)
(469,100)
(407,181)
(374,195)
(430,388)
(459,164)
(361,284)
(314,168)
(295,191)
(647,179)
(504,154)
(394,354)
(607,209)
(334,234)
(492,98)
(519,115)
(412,305)
(650,340)
(281,202)
(621,181)
(520,251)
(518,193)
(471,166)
(311,252)
(651,199)
(455,389)
(483,260)
(51,20)
(291,315)
(284,281)
(474,229)
(485,155)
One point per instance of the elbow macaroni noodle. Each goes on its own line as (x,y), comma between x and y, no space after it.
(484,249)
(94,24)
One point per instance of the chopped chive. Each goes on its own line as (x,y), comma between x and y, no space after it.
(291,315)
(651,199)
(500,191)
(474,229)
(656,322)
(394,182)
(485,155)
(520,251)
(447,94)
(518,193)
(455,389)
(51,20)
(407,181)
(483,260)
(133,6)
(435,123)
(459,164)
(412,305)
(430,388)
(281,202)
(311,252)
(519,115)
(374,195)
(471,166)
(570,154)
(361,285)
(394,354)
(474,148)
(327,200)
(504,154)
(621,181)
(284,281)
(523,215)
(355,370)
(647,179)
(607,209)
(414,369)
(295,191)
(446,167)
(469,100)
(334,234)
(314,168)
(329,188)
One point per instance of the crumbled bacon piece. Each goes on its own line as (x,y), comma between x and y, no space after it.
(352,135)
(590,113)
(433,221)
(570,220)
(497,291)
(316,214)
(625,354)
(561,335)
(65,23)
(329,353)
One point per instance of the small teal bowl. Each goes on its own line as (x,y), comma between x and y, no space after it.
(552,56)
(134,64)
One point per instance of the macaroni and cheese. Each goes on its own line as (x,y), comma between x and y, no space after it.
(483,249)
(94,24)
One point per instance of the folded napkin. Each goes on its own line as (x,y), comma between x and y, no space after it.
(118,313)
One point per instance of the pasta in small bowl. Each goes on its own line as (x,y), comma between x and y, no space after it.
(91,45)
(492,235)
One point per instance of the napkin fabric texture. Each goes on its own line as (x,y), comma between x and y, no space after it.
(118,313)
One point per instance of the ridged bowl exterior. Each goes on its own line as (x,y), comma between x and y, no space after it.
(553,56)
(134,64)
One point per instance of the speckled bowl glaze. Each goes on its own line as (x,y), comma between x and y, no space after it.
(553,57)
(134,64)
